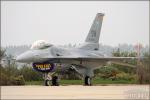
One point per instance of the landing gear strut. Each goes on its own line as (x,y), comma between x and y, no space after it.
(87,81)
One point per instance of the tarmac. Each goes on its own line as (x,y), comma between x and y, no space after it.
(75,92)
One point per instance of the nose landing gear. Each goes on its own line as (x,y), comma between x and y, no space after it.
(50,79)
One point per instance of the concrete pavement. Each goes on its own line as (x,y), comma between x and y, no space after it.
(75,92)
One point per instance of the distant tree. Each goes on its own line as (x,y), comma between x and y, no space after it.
(9,73)
(74,45)
(69,45)
(2,53)
(30,74)
(10,76)
(107,72)
(116,53)
(70,74)
(143,69)
(126,69)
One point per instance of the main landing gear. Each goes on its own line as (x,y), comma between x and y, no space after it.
(87,81)
(55,81)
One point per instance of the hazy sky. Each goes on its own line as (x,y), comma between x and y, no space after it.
(63,22)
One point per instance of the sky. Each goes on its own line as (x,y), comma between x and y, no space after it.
(64,22)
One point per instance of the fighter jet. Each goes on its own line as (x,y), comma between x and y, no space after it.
(84,59)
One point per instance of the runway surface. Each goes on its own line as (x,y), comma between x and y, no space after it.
(75,92)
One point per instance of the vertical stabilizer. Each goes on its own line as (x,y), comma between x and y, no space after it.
(92,40)
(94,33)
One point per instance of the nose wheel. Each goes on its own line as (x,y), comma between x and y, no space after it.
(53,82)
(47,82)
(50,80)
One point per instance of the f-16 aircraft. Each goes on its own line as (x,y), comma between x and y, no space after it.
(84,59)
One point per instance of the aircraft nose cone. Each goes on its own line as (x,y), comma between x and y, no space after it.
(25,57)
(19,59)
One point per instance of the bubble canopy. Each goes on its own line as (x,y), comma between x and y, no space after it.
(40,44)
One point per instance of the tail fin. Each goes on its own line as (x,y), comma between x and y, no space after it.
(92,40)
(94,33)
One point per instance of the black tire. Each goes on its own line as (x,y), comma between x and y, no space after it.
(87,81)
(47,83)
(55,81)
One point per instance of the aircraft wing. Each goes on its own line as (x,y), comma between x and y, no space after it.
(95,58)
(117,60)
(98,61)
(109,58)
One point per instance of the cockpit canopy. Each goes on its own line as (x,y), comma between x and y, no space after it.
(40,44)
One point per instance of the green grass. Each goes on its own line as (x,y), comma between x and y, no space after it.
(108,81)
(80,82)
(34,83)
(71,82)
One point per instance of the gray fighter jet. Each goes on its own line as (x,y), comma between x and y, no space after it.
(83,59)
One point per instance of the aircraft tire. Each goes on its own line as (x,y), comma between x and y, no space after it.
(55,81)
(87,81)
(47,82)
